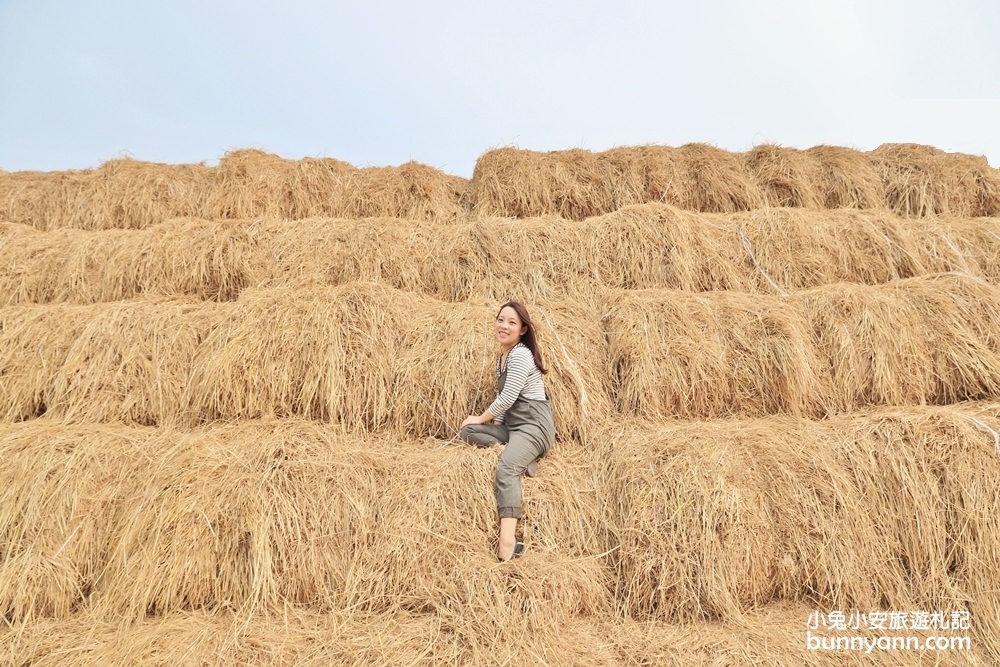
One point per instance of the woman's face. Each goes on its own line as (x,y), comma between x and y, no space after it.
(509,328)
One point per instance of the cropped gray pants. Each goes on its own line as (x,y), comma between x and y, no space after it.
(528,432)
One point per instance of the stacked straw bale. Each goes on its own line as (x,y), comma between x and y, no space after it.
(908,179)
(129,194)
(786,176)
(257,516)
(122,193)
(648,246)
(847,177)
(890,509)
(925,181)
(127,361)
(379,358)
(374,357)
(925,340)
(660,525)
(298,636)
(197,258)
(225,395)
(578,184)
(252,183)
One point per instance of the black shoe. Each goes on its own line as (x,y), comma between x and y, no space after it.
(518,550)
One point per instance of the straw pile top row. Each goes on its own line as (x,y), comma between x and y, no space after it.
(907,179)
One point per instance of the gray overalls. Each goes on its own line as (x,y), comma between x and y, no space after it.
(529,433)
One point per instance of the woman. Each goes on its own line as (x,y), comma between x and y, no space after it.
(519,417)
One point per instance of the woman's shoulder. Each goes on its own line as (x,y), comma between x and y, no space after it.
(521,353)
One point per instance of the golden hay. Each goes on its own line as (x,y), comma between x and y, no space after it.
(925,181)
(577,184)
(637,247)
(37,198)
(831,349)
(777,635)
(121,193)
(641,174)
(715,181)
(701,356)
(786,176)
(508,182)
(848,178)
(257,516)
(64,492)
(412,191)
(686,522)
(301,637)
(252,183)
(374,357)
(887,510)
(132,194)
(34,342)
(132,362)
(184,257)
(932,339)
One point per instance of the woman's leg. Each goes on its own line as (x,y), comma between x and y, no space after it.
(508,538)
(484,435)
(521,450)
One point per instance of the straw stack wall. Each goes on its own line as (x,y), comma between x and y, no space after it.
(908,179)
(647,246)
(925,181)
(122,193)
(378,358)
(131,194)
(252,517)
(252,183)
(927,340)
(676,523)
(297,636)
(895,509)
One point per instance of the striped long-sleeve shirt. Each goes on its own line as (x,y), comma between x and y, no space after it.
(524,379)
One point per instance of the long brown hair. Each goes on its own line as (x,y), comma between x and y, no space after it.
(529,336)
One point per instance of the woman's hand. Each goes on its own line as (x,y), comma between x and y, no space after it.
(471,420)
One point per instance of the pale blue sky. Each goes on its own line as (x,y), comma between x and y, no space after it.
(383,82)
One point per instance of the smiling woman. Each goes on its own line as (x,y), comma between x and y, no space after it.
(520,417)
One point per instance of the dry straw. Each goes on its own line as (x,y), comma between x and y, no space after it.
(252,183)
(299,636)
(699,356)
(887,510)
(226,528)
(253,517)
(849,180)
(34,343)
(926,340)
(578,184)
(131,362)
(786,176)
(646,246)
(122,193)
(185,257)
(378,358)
(925,181)
(63,494)
(373,357)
